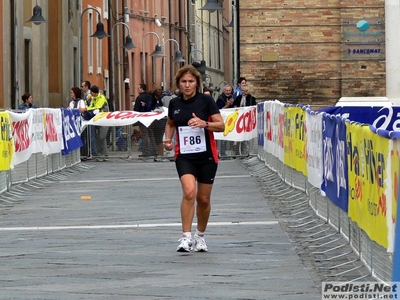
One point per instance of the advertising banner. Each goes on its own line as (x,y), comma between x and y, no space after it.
(295,140)
(6,142)
(274,115)
(367,172)
(386,118)
(53,131)
(314,148)
(21,132)
(71,130)
(240,124)
(335,178)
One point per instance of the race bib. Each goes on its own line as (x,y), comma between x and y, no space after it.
(192,140)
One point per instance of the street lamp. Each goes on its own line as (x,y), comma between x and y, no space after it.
(193,52)
(157,53)
(178,58)
(128,45)
(99,33)
(234,23)
(37,17)
(211,6)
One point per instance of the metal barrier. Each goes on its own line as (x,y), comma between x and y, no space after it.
(377,260)
(37,166)
(131,141)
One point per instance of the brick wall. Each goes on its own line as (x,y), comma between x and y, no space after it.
(295,51)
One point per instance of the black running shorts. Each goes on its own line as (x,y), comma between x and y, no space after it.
(204,172)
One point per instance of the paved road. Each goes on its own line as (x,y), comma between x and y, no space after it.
(121,244)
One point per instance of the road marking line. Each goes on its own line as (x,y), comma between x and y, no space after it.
(132,226)
(145,179)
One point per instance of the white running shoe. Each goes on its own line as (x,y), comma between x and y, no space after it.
(186,245)
(200,244)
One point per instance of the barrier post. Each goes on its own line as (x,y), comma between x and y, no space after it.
(396,253)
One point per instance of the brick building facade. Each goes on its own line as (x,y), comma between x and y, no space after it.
(313,52)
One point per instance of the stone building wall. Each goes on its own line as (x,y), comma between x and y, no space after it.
(301,51)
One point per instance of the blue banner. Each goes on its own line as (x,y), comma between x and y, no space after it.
(71,129)
(335,178)
(386,118)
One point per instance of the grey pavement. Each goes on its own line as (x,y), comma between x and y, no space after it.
(121,244)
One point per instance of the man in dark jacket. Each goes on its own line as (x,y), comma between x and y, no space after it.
(143,104)
(225,100)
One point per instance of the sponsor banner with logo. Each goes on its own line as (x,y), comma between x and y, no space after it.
(274,115)
(37,130)
(240,124)
(126,117)
(22,132)
(71,128)
(367,170)
(314,148)
(6,142)
(386,118)
(334,157)
(295,140)
(393,187)
(53,131)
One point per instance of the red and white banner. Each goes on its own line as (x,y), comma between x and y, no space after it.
(36,131)
(240,123)
(126,117)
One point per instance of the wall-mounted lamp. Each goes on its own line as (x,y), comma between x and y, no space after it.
(157,53)
(128,45)
(193,53)
(178,58)
(99,33)
(37,17)
(211,6)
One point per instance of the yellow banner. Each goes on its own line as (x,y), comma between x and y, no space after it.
(6,141)
(367,169)
(394,189)
(295,139)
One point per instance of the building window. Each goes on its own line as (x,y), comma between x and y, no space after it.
(105,9)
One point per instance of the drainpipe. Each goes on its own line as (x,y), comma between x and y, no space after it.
(14,49)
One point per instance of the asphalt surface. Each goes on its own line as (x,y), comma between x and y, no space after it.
(121,244)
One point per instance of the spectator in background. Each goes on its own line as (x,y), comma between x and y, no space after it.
(28,102)
(143,104)
(98,103)
(242,101)
(246,99)
(89,134)
(156,128)
(224,100)
(86,96)
(165,97)
(76,101)
(240,83)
